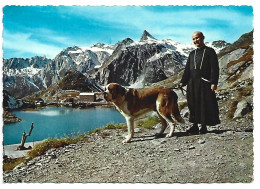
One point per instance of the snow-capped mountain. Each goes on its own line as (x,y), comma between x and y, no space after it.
(19,75)
(22,76)
(24,67)
(127,62)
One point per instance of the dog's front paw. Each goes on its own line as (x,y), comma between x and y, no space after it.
(127,140)
(169,135)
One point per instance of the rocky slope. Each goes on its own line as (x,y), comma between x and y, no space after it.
(10,102)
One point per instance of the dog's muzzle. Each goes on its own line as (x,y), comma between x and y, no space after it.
(105,95)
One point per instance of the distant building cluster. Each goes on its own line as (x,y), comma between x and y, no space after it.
(70,98)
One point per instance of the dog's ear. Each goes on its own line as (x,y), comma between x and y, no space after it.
(118,90)
(122,90)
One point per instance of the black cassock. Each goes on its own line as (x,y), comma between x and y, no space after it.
(201,71)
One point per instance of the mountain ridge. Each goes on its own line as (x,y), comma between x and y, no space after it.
(95,61)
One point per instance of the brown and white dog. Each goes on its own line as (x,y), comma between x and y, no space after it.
(132,103)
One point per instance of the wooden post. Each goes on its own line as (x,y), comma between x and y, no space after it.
(24,137)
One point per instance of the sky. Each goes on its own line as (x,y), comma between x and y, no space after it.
(45,30)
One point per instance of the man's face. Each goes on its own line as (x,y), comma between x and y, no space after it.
(198,39)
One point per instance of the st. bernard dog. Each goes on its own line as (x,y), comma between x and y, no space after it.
(132,103)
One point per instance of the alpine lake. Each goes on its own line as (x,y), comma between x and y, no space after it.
(57,122)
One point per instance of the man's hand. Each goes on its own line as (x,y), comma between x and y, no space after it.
(213,87)
(180,85)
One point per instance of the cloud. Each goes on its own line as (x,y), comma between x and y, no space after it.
(23,44)
(171,21)
(85,25)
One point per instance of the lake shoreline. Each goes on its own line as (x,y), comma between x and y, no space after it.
(11,151)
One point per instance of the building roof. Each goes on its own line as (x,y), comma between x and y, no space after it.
(87,94)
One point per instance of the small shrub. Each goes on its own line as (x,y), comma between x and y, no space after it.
(232,109)
(246,91)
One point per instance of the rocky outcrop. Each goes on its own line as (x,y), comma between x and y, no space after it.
(243,42)
(146,36)
(236,61)
(9,117)
(75,80)
(243,107)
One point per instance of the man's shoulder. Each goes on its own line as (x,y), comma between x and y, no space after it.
(210,49)
(192,52)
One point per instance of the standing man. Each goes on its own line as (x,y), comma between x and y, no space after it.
(201,77)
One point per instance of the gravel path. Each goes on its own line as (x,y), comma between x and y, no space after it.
(216,157)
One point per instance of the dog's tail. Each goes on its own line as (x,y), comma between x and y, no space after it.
(177,115)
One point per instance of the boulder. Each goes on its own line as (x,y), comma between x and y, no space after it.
(243,107)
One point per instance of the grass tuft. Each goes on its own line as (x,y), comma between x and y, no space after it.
(109,126)
(49,143)
(149,123)
(9,164)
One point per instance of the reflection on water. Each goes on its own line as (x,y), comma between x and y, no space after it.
(51,112)
(59,122)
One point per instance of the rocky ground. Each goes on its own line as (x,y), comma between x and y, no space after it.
(222,155)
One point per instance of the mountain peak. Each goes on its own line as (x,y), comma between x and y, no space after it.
(146,36)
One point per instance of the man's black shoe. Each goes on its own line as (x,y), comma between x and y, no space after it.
(203,129)
(194,129)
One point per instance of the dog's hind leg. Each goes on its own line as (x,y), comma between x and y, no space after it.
(164,106)
(164,125)
(130,128)
(171,123)
(167,119)
(172,128)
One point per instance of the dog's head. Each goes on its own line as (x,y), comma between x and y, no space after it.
(113,92)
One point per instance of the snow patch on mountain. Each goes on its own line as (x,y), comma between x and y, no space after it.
(140,82)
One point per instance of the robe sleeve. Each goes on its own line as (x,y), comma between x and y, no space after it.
(214,71)
(186,74)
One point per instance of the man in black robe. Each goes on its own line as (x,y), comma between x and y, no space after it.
(201,77)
